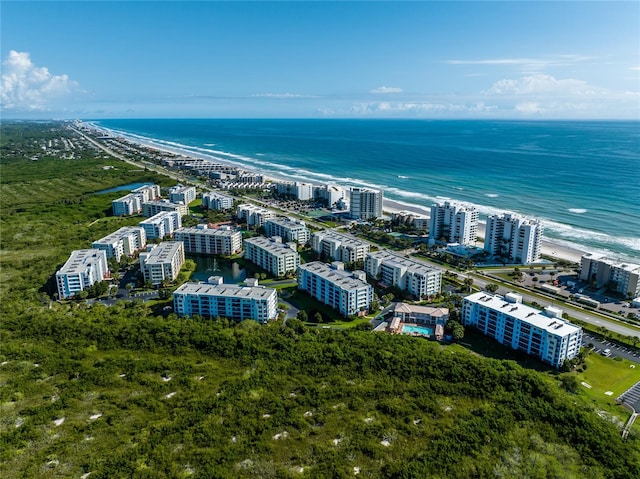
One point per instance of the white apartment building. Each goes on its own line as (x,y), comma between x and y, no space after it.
(127,205)
(347,292)
(365,204)
(162,262)
(161,225)
(215,299)
(335,196)
(200,239)
(514,237)
(125,241)
(621,276)
(544,335)
(300,191)
(147,192)
(182,194)
(254,215)
(152,208)
(339,247)
(453,223)
(288,229)
(411,275)
(83,268)
(272,254)
(217,201)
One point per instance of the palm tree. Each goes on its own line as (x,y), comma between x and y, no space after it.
(468,282)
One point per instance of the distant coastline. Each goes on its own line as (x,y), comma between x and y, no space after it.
(263,163)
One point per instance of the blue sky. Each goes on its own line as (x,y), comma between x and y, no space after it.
(320,59)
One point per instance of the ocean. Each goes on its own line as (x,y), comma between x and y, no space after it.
(581,178)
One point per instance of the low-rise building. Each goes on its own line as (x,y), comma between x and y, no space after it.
(199,239)
(127,205)
(147,192)
(620,276)
(414,276)
(182,194)
(254,215)
(347,292)
(162,262)
(272,254)
(339,247)
(161,225)
(544,335)
(414,315)
(124,241)
(152,208)
(217,201)
(215,299)
(288,229)
(131,204)
(83,268)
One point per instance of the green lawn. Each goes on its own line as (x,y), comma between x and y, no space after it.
(604,374)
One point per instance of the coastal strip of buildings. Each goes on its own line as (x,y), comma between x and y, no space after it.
(544,335)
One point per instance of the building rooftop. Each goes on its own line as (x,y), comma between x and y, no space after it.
(341,278)
(412,265)
(534,317)
(273,245)
(412,308)
(614,263)
(163,252)
(119,234)
(206,231)
(157,217)
(81,259)
(345,240)
(287,222)
(226,290)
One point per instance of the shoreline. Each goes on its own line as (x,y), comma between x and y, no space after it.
(549,247)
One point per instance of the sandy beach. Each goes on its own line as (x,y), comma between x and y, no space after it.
(549,248)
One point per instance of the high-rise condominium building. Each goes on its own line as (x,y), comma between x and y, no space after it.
(514,237)
(365,204)
(453,223)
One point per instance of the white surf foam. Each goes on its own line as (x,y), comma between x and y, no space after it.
(578,211)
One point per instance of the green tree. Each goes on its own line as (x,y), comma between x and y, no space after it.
(302,316)
(468,282)
(317,317)
(492,287)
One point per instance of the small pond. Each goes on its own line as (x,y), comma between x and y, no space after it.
(207,266)
(128,187)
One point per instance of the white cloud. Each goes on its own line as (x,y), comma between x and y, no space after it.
(534,64)
(386,89)
(542,84)
(26,86)
(417,108)
(636,69)
(280,95)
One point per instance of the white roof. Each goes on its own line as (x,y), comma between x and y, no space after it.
(81,259)
(225,290)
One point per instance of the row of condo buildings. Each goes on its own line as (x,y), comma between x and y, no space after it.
(508,235)
(146,200)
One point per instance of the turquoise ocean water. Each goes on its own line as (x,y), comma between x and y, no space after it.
(582,179)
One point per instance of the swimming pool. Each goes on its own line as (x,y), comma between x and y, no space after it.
(412,329)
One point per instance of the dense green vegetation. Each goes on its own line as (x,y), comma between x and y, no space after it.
(120,392)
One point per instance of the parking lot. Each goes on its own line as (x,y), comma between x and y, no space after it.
(600,346)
